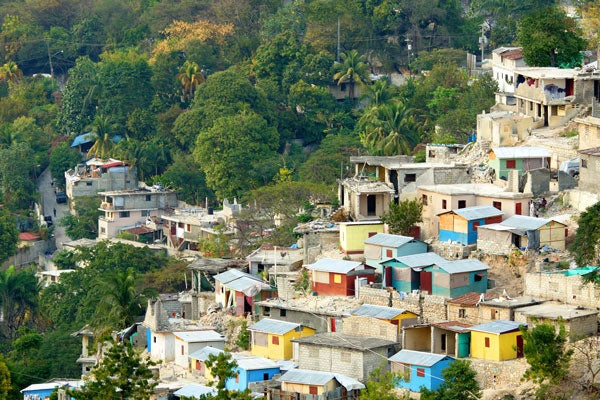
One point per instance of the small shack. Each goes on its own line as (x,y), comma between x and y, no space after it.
(461,225)
(332,277)
(419,369)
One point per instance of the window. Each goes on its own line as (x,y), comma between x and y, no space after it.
(424,199)
(511,164)
(462,313)
(88,184)
(182,350)
(148,197)
(265,377)
(431,154)
(421,372)
(497,204)
(188,227)
(154,339)
(444,204)
(487,342)
(102,230)
(275,340)
(410,178)
(583,163)
(337,278)
(518,209)
(476,225)
(372,234)
(145,213)
(388,252)
(123,214)
(462,204)
(282,312)
(478,277)
(493,316)
(267,311)
(313,390)
(566,232)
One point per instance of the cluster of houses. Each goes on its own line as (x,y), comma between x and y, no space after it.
(401,303)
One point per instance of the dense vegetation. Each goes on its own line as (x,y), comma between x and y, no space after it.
(216,99)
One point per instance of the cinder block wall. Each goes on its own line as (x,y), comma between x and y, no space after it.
(557,286)
(434,307)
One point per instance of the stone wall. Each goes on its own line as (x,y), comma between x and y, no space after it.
(452,251)
(579,199)
(557,286)
(360,325)
(431,308)
(499,374)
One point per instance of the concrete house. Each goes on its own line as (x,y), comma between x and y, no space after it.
(198,361)
(503,128)
(239,290)
(278,258)
(419,369)
(461,225)
(589,169)
(454,278)
(355,356)
(522,232)
(383,246)
(451,338)
(503,307)
(437,199)
(403,273)
(189,342)
(497,340)
(588,129)
(390,315)
(39,391)
(465,308)
(124,209)
(95,175)
(354,234)
(578,322)
(566,286)
(365,199)
(297,383)
(505,60)
(522,159)
(272,338)
(331,277)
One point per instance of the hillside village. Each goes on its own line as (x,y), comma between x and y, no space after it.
(489,256)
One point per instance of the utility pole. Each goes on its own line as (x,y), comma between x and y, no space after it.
(483,39)
(337,57)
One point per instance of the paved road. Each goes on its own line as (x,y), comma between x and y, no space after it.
(49,205)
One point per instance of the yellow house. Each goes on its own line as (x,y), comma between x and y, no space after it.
(317,383)
(391,315)
(497,340)
(353,235)
(272,338)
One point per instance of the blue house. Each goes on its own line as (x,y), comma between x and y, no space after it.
(455,278)
(44,390)
(404,273)
(251,369)
(418,369)
(384,246)
(460,225)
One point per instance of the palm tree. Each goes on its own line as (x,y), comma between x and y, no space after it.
(380,92)
(352,70)
(388,129)
(10,72)
(102,127)
(18,299)
(190,77)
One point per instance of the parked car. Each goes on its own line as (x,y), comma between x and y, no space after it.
(48,219)
(61,197)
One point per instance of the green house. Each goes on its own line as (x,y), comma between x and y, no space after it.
(523,159)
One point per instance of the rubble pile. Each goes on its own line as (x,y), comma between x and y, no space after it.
(476,155)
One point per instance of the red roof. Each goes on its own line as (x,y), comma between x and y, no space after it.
(470,299)
(140,230)
(28,236)
(515,54)
(113,164)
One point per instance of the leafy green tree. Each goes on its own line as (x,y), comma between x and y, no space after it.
(380,386)
(388,129)
(18,299)
(103,129)
(190,77)
(122,374)
(62,158)
(243,339)
(402,217)
(550,38)
(84,222)
(223,367)
(9,235)
(16,169)
(353,70)
(587,237)
(545,351)
(229,151)
(186,177)
(459,383)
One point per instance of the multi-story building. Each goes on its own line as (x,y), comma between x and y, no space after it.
(95,175)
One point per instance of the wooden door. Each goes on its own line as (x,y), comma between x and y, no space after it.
(426,278)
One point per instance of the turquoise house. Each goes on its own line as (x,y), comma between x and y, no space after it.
(461,225)
(404,273)
(522,159)
(455,278)
(384,246)
(418,369)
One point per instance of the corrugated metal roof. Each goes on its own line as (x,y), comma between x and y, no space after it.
(418,358)
(274,326)
(335,339)
(388,240)
(371,310)
(525,222)
(204,352)
(466,265)
(498,327)
(245,282)
(53,385)
(309,377)
(196,391)
(200,336)
(87,137)
(419,260)
(334,265)
(230,275)
(250,363)
(478,212)
(521,152)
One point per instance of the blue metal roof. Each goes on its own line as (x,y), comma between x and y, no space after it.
(84,138)
(388,240)
(459,266)
(200,336)
(231,275)
(477,212)
(196,391)
(334,265)
(524,222)
(521,152)
(274,326)
(204,352)
(421,358)
(371,310)
(498,327)
(419,260)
